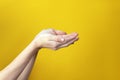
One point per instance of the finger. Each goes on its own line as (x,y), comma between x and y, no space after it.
(66,38)
(69,43)
(69,37)
(63,38)
(58,32)
(52,31)
(59,38)
(55,38)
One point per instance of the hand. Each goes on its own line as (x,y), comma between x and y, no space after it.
(54,39)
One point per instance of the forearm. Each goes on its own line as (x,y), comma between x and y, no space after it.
(12,71)
(26,72)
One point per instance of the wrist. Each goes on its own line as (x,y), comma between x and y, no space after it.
(35,45)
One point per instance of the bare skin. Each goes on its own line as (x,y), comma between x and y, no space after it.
(21,66)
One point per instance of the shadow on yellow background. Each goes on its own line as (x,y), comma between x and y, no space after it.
(96,56)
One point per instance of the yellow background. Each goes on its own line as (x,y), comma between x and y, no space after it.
(96,56)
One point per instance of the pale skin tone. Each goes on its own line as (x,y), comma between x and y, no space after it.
(21,66)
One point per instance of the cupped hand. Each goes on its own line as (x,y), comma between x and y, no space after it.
(54,39)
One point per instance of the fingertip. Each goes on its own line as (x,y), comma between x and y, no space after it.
(77,38)
(75,33)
